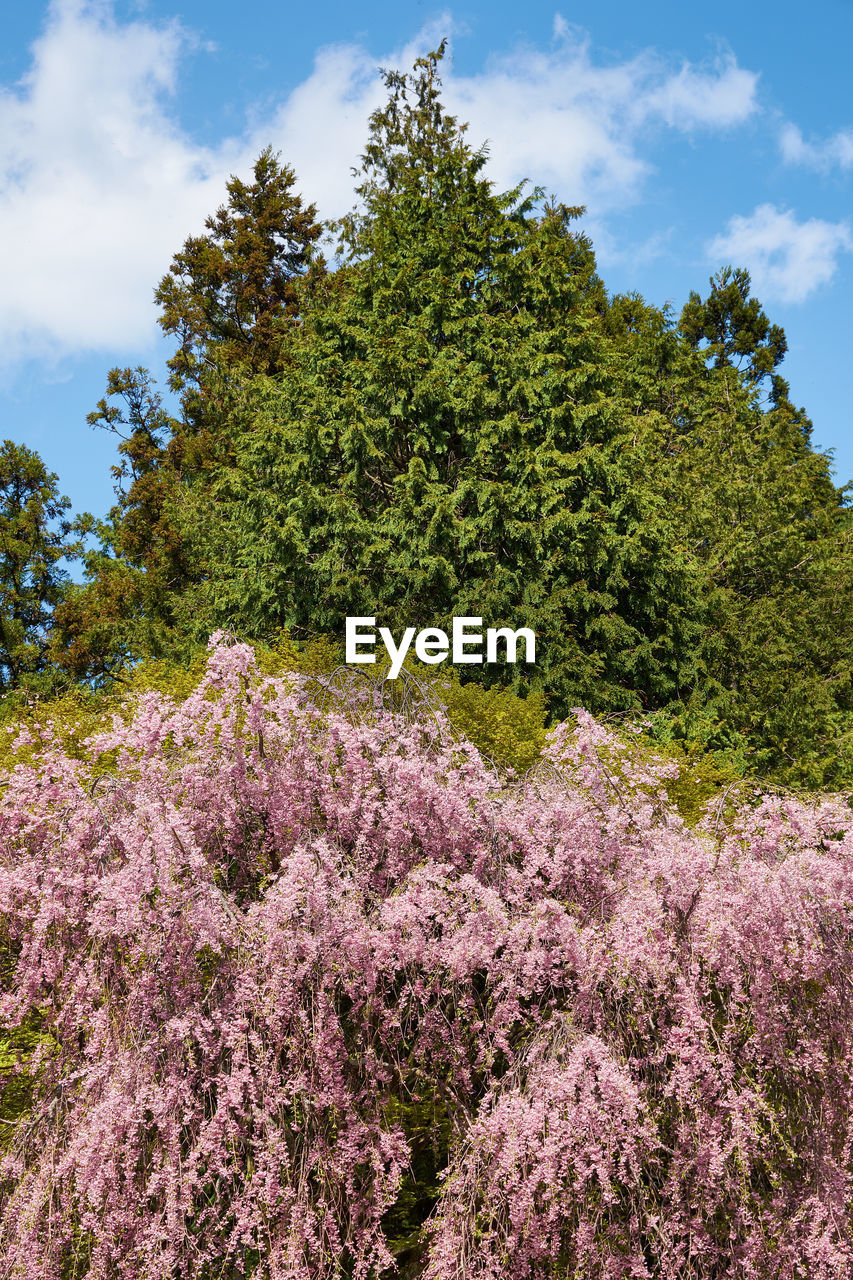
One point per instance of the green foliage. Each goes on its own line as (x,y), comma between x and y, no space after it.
(70,716)
(136,574)
(761,512)
(703,777)
(34,540)
(17,1046)
(754,505)
(506,728)
(228,297)
(428,1131)
(456,419)
(442,440)
(311,655)
(735,328)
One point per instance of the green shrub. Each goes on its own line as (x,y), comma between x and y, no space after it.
(505,727)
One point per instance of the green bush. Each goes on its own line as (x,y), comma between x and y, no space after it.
(508,729)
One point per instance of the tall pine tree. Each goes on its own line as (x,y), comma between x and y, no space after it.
(35,539)
(229,297)
(443,439)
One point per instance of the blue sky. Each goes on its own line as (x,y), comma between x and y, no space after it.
(694,135)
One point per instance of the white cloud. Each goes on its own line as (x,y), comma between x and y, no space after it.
(99,185)
(582,127)
(556,117)
(822,156)
(694,99)
(788,260)
(561,27)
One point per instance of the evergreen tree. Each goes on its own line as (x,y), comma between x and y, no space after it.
(443,440)
(733,324)
(130,604)
(34,540)
(762,513)
(458,420)
(756,505)
(228,297)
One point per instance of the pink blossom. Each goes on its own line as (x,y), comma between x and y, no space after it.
(245,944)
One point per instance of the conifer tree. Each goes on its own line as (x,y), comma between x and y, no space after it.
(34,540)
(456,419)
(443,440)
(756,505)
(228,297)
(736,329)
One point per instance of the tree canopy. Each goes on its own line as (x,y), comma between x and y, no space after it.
(228,298)
(34,542)
(456,418)
(445,438)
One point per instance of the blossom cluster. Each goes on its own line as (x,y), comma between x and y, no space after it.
(257,941)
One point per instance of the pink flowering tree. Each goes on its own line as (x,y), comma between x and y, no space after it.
(315,994)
